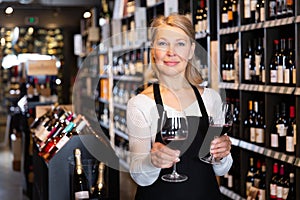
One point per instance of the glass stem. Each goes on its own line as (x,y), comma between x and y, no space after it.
(174,173)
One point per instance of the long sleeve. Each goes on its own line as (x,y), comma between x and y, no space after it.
(224,167)
(141,133)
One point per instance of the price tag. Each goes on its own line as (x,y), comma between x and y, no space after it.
(261,150)
(283,157)
(249,146)
(291,159)
(243,144)
(281,90)
(268,153)
(255,148)
(276,155)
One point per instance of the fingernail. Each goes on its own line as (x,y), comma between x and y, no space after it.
(177,159)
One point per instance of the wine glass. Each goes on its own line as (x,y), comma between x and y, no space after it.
(218,125)
(174,130)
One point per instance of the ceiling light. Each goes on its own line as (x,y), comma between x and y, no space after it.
(87,14)
(9,10)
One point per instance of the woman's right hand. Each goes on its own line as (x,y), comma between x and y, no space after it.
(163,156)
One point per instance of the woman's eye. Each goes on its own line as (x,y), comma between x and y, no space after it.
(162,43)
(181,44)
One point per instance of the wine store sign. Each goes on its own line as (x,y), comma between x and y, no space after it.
(41,67)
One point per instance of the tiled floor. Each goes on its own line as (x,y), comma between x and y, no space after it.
(11,182)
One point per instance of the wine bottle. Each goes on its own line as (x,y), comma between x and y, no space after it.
(262,183)
(291,134)
(256,76)
(80,182)
(282,125)
(253,4)
(100,190)
(260,126)
(274,63)
(290,71)
(262,11)
(236,118)
(254,123)
(274,134)
(274,182)
(281,61)
(292,188)
(281,183)
(257,174)
(250,174)
(230,14)
(224,14)
(247,11)
(248,123)
(290,7)
(248,62)
(235,13)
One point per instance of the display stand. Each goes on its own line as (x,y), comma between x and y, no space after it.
(52,179)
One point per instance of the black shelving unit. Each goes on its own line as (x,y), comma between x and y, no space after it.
(52,179)
(269,93)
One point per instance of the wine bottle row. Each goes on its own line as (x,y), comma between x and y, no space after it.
(281,184)
(254,11)
(53,130)
(201,17)
(130,63)
(283,131)
(88,183)
(123,91)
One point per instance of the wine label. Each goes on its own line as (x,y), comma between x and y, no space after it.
(252,134)
(279,190)
(81,195)
(280,74)
(273,188)
(273,76)
(281,130)
(260,135)
(290,144)
(274,140)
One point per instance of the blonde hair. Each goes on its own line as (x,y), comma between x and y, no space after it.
(192,74)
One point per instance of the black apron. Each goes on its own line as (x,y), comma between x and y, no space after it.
(202,182)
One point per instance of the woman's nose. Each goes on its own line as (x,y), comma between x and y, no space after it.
(171,50)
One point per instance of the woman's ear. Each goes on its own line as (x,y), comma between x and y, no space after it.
(192,50)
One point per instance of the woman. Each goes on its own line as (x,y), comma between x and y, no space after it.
(172,56)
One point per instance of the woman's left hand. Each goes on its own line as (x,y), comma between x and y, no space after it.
(220,147)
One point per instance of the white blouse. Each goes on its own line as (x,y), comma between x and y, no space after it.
(142,116)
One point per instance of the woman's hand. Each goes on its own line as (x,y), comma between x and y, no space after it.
(163,156)
(220,147)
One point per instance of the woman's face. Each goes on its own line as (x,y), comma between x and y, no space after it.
(172,49)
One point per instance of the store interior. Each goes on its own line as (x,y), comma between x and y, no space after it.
(81,61)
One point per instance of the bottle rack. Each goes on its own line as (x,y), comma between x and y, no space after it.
(270,94)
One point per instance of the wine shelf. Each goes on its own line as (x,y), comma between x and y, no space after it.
(201,35)
(104,125)
(260,88)
(226,31)
(120,106)
(279,22)
(250,27)
(121,134)
(297,91)
(232,86)
(128,78)
(266,152)
(229,193)
(103,100)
